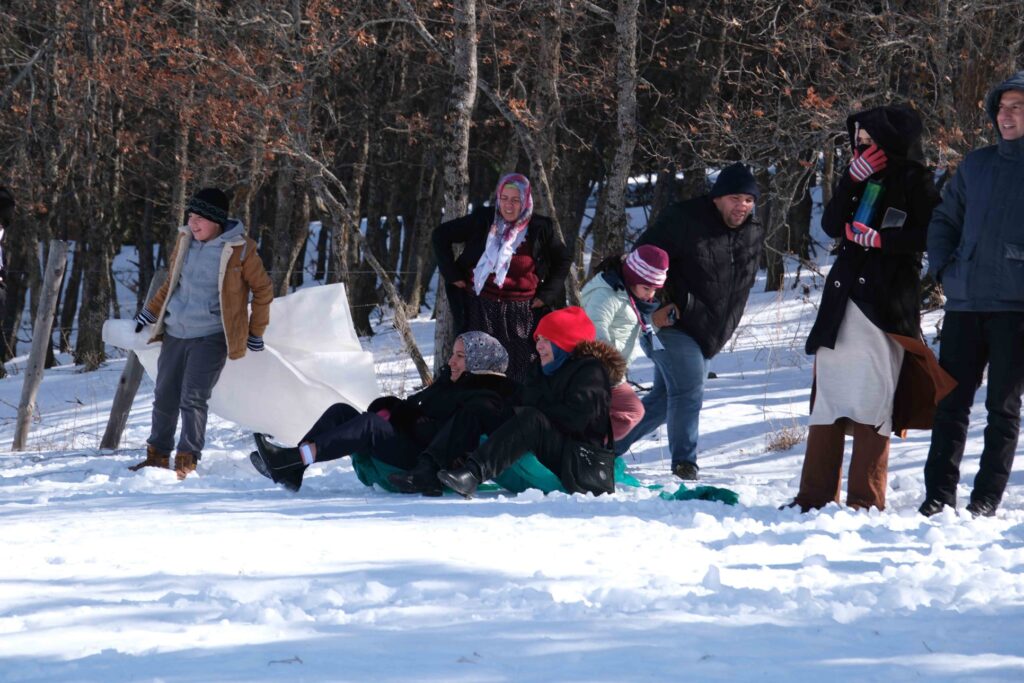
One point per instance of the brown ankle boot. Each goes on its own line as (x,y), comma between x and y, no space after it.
(184,463)
(154,458)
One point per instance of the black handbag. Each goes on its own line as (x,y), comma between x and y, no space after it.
(593,468)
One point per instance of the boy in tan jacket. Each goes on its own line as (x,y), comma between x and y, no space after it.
(202,315)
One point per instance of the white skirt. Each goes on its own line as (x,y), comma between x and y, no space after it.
(857,379)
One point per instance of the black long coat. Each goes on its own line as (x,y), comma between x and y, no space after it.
(884,283)
(550,256)
(711,268)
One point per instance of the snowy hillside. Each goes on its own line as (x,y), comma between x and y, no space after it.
(113,576)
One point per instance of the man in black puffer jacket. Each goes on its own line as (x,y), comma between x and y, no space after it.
(714,244)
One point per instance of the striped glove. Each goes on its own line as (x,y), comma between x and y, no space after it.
(143,318)
(254,343)
(867,164)
(863,235)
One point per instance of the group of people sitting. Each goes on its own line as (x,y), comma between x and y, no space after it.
(527,376)
(474,421)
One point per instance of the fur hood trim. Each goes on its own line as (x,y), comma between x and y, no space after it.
(614,363)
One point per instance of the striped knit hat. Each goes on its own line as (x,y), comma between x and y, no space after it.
(646,265)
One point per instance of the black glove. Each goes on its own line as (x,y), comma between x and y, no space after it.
(254,343)
(143,318)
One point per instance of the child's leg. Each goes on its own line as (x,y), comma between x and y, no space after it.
(205,359)
(167,394)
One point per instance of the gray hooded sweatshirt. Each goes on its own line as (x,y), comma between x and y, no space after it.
(194,308)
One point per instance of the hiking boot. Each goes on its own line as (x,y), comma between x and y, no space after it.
(463,481)
(685,470)
(421,479)
(283,464)
(982,508)
(185,463)
(931,506)
(154,458)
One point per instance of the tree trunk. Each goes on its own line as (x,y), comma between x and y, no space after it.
(610,223)
(421,254)
(71,293)
(280,247)
(363,287)
(461,103)
(40,340)
(144,249)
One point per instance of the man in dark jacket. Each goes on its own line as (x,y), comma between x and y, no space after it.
(714,244)
(976,250)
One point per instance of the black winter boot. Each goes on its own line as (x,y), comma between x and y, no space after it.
(464,481)
(421,479)
(931,506)
(982,508)
(284,465)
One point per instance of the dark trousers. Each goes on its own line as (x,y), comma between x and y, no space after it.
(187,371)
(970,341)
(529,431)
(342,430)
(461,434)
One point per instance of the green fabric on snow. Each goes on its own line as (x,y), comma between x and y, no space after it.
(529,473)
(713,493)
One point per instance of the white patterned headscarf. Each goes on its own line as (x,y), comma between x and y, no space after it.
(484,354)
(504,237)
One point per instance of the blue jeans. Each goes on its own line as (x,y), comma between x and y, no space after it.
(680,370)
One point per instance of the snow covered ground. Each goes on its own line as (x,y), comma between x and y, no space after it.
(107,575)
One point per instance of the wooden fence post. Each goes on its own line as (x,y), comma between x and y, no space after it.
(55,265)
(128,385)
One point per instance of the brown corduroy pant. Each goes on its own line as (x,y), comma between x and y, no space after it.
(821,478)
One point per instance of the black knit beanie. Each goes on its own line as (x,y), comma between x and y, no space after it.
(735,179)
(210,203)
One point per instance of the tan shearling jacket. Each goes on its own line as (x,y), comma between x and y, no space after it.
(241,272)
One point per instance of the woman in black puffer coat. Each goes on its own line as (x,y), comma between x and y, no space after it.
(873,374)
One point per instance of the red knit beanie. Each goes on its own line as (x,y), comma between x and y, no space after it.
(646,265)
(566,328)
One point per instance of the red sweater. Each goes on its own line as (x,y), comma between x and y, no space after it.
(520,281)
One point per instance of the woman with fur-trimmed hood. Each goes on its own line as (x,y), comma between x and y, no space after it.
(563,413)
